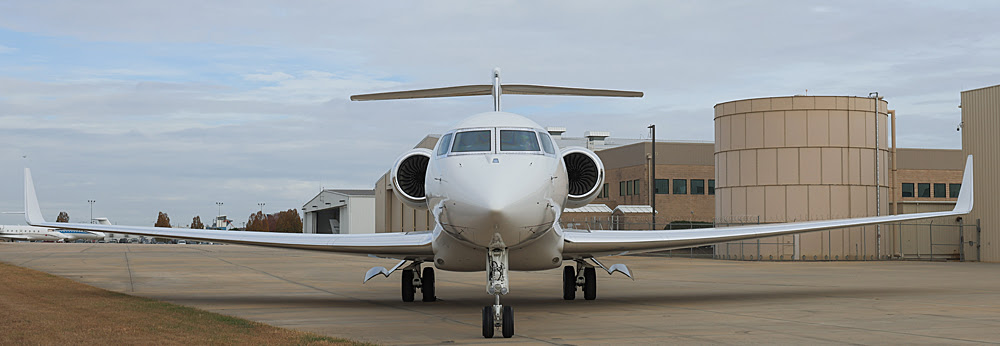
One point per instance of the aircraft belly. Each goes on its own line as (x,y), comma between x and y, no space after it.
(541,253)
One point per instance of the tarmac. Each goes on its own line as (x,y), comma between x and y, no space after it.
(672,300)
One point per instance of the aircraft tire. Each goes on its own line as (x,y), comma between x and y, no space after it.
(488,328)
(407,285)
(428,285)
(569,283)
(590,283)
(508,322)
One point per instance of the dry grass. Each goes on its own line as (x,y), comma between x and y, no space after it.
(38,308)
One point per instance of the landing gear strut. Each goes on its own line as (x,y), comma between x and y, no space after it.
(497,315)
(411,280)
(585,275)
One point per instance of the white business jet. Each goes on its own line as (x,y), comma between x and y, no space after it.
(30,233)
(496,185)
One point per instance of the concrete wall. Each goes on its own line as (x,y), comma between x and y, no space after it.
(802,158)
(981,124)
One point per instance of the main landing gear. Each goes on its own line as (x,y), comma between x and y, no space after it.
(496,315)
(412,280)
(585,276)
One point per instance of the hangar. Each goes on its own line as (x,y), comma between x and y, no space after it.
(340,212)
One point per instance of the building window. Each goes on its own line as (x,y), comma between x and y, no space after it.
(711,186)
(940,190)
(604,191)
(680,186)
(662,186)
(628,187)
(923,189)
(697,186)
(635,187)
(954,189)
(907,189)
(621,188)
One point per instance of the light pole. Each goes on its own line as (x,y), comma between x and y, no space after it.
(220,208)
(652,174)
(91,209)
(261,205)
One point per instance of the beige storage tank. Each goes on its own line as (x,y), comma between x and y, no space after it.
(801,158)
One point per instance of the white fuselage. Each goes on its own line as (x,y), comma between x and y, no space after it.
(479,195)
(19,232)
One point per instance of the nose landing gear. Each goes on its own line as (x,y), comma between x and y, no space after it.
(496,315)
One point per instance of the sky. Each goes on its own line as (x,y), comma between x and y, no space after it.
(149,106)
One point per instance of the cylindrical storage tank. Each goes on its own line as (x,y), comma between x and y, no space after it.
(801,158)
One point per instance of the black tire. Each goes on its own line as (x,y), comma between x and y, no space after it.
(590,283)
(427,282)
(407,281)
(488,328)
(508,322)
(569,283)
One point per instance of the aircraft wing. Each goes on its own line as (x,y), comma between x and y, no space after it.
(583,244)
(408,246)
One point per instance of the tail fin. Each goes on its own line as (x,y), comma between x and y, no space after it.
(32,212)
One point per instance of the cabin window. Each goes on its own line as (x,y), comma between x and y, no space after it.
(547,143)
(472,141)
(445,144)
(514,140)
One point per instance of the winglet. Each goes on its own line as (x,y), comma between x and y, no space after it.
(965,194)
(32,213)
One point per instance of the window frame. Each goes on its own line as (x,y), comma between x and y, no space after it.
(666,187)
(628,187)
(493,139)
(691,189)
(533,132)
(921,187)
(683,186)
(446,146)
(635,187)
(621,188)
(912,190)
(710,189)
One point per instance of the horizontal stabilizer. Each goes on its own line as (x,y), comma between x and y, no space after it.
(528,89)
(464,90)
(482,90)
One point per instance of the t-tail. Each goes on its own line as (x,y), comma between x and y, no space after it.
(496,90)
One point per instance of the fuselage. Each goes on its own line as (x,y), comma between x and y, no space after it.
(496,176)
(30,233)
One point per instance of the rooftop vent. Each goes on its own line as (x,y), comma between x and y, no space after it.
(556,131)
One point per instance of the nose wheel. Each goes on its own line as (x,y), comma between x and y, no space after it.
(497,316)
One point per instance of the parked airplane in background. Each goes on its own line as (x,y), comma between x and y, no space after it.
(496,185)
(31,233)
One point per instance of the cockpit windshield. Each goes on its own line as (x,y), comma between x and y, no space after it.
(514,140)
(472,141)
(547,143)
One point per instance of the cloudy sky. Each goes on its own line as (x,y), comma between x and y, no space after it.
(176,105)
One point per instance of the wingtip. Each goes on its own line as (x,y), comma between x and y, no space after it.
(966,195)
(32,212)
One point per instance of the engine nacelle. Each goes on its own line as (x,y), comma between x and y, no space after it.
(408,177)
(586,176)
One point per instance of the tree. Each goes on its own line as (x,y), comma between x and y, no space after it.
(288,221)
(196,223)
(63,217)
(162,220)
(257,222)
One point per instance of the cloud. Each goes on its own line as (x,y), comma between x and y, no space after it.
(7,50)
(268,77)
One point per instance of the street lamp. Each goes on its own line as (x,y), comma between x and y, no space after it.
(91,209)
(652,174)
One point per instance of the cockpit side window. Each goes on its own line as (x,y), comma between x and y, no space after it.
(472,141)
(445,144)
(547,143)
(516,140)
